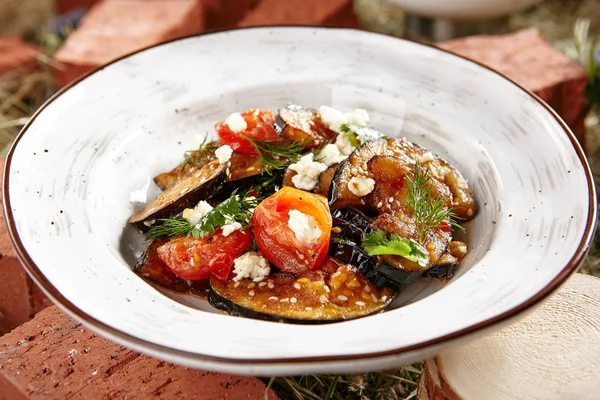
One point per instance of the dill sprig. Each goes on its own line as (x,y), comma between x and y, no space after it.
(276,154)
(204,153)
(429,210)
(235,209)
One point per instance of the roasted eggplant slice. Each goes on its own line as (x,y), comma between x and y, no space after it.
(194,160)
(298,123)
(317,297)
(405,153)
(152,268)
(186,193)
(325,180)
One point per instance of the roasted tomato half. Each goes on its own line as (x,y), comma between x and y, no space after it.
(259,125)
(196,259)
(279,244)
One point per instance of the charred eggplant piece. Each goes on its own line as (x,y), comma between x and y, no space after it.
(152,268)
(298,123)
(194,160)
(351,253)
(186,193)
(325,180)
(314,298)
(354,217)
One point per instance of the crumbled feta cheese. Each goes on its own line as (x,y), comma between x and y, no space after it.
(425,158)
(194,215)
(236,123)
(251,265)
(223,153)
(331,155)
(361,186)
(344,144)
(308,172)
(305,226)
(359,117)
(334,119)
(228,229)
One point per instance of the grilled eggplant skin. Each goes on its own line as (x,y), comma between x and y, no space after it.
(151,267)
(323,296)
(295,122)
(186,193)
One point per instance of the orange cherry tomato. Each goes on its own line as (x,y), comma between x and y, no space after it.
(259,126)
(278,242)
(196,259)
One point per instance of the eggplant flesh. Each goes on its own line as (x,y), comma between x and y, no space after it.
(312,298)
(186,193)
(295,122)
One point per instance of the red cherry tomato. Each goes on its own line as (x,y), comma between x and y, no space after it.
(278,243)
(259,126)
(196,259)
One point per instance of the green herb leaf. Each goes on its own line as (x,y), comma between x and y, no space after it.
(170,228)
(358,135)
(234,209)
(429,210)
(276,154)
(377,243)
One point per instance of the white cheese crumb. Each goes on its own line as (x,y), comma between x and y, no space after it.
(236,123)
(228,229)
(425,158)
(223,153)
(344,145)
(361,186)
(308,172)
(331,155)
(251,265)
(358,117)
(305,226)
(194,215)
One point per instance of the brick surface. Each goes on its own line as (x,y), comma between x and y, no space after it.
(525,57)
(113,28)
(302,12)
(20,298)
(225,14)
(16,55)
(54,357)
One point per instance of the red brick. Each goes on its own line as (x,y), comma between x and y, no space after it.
(64,6)
(302,12)
(54,357)
(16,55)
(525,57)
(225,14)
(113,28)
(20,298)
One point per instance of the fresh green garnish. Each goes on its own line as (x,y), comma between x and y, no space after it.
(358,135)
(170,228)
(429,210)
(377,243)
(205,152)
(276,154)
(235,209)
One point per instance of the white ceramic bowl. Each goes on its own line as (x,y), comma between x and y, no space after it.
(74,168)
(463,9)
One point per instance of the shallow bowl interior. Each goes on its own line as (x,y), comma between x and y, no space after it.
(85,163)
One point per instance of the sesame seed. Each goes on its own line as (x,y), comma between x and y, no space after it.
(308,308)
(236,284)
(327,289)
(380,204)
(297,286)
(390,199)
(273,298)
(323,299)
(250,286)
(251,293)
(384,298)
(374,298)
(367,288)
(262,284)
(293,300)
(360,303)
(284,300)
(341,297)
(270,284)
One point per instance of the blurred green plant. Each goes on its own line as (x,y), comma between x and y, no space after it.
(588,54)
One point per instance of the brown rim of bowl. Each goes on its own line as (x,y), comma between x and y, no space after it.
(101,327)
